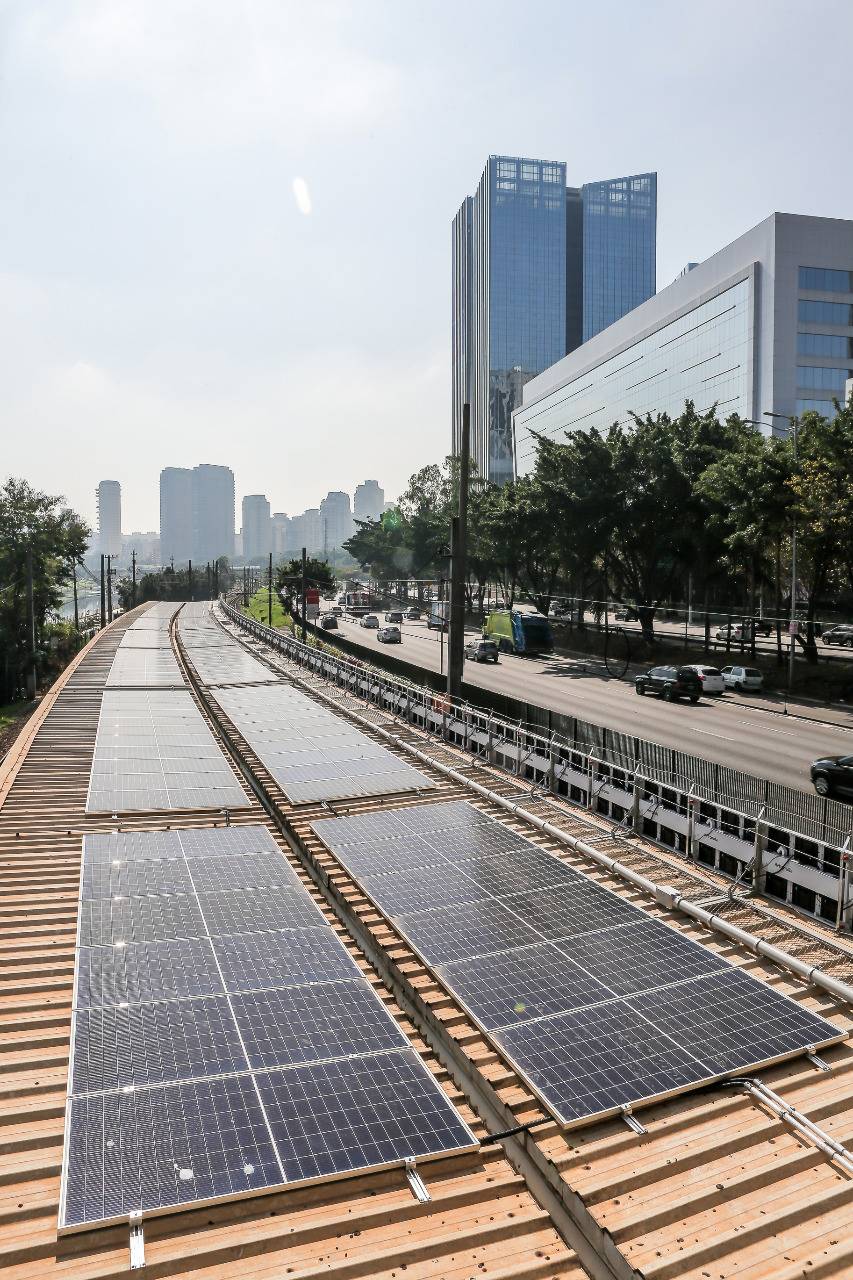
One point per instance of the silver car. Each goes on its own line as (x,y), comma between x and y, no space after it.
(713,680)
(742,678)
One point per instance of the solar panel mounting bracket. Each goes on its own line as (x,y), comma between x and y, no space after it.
(418,1186)
(136,1242)
(815,1059)
(631,1120)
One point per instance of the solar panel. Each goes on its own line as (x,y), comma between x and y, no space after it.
(404,854)
(154,1043)
(594,1001)
(277,716)
(146,971)
(334,1118)
(460,931)
(288,958)
(641,956)
(510,987)
(180,995)
(289,1025)
(155,1149)
(731,1022)
(590,1062)
(154,751)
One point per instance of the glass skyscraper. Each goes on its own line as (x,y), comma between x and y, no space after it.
(521,277)
(619,248)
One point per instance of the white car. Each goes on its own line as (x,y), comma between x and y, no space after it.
(742,678)
(370,621)
(713,681)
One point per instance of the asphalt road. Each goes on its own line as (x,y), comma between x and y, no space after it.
(734,729)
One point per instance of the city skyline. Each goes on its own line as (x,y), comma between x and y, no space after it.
(165,295)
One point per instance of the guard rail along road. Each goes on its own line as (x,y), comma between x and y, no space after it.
(784,844)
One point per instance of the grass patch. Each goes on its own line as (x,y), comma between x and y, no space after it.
(13,712)
(259,610)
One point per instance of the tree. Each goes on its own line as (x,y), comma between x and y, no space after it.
(56,537)
(318,573)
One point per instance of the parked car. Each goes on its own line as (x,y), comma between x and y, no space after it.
(670,683)
(833,776)
(742,678)
(740,631)
(389,635)
(711,677)
(394,615)
(841,634)
(413,613)
(329,622)
(626,613)
(481,651)
(369,620)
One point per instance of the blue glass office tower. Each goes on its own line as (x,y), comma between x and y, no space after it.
(533,264)
(619,248)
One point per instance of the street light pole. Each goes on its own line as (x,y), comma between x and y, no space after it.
(793,424)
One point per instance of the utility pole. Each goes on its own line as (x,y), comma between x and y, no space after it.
(32,678)
(103,594)
(190,577)
(133,571)
(269,594)
(110,588)
(74,580)
(208,580)
(458,566)
(302,592)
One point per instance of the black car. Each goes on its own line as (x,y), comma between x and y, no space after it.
(670,683)
(481,651)
(329,622)
(833,776)
(841,634)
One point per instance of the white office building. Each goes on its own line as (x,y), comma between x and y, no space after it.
(257,527)
(109,518)
(368,500)
(764,325)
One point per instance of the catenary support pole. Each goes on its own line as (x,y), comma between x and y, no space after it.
(133,577)
(302,598)
(109,588)
(458,565)
(32,678)
(269,594)
(74,581)
(103,593)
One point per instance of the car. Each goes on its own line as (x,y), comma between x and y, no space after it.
(670,683)
(394,615)
(626,613)
(413,613)
(740,631)
(336,611)
(833,775)
(329,622)
(711,677)
(741,678)
(369,620)
(481,651)
(841,634)
(389,635)
(342,600)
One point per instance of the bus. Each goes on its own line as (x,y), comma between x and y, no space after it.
(516,632)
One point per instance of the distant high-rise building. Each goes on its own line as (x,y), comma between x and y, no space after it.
(109,518)
(280,534)
(368,501)
(146,546)
(257,527)
(536,267)
(176,514)
(212,512)
(306,530)
(335,520)
(619,248)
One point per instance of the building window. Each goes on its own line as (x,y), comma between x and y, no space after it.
(826,280)
(812,312)
(825,344)
(822,377)
(824,407)
(775,886)
(804,898)
(550,173)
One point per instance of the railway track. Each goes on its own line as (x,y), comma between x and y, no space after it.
(548,1158)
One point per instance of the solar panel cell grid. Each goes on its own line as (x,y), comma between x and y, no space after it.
(243,871)
(154,1043)
(146,971)
(291,957)
(289,1025)
(457,932)
(403,892)
(253,910)
(641,956)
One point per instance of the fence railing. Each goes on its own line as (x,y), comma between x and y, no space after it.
(774,834)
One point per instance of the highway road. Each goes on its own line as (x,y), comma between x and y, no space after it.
(735,729)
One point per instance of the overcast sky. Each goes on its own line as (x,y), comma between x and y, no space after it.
(225,224)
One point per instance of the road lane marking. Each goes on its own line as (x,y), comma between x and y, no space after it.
(708,734)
